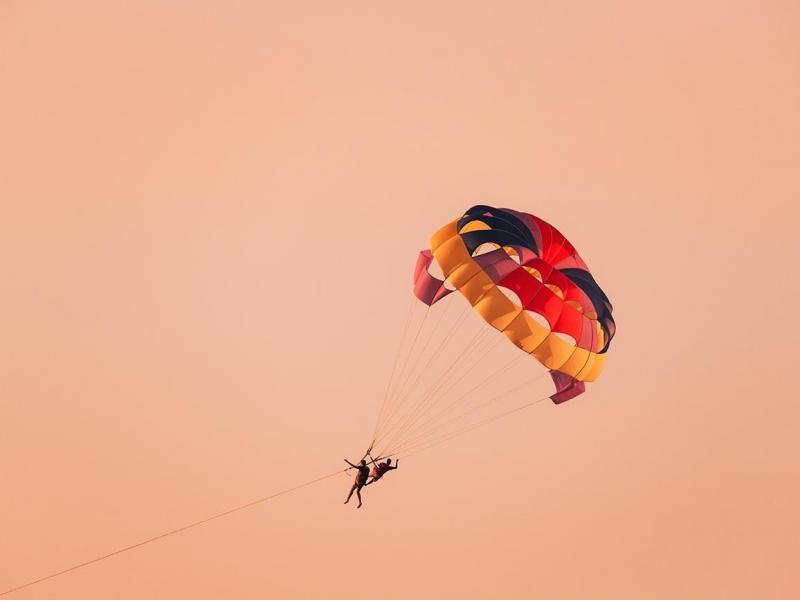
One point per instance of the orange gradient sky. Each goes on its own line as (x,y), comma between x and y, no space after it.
(209,216)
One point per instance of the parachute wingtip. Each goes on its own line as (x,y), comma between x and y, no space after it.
(566,387)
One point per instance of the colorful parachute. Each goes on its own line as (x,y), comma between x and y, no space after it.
(526,280)
(522,277)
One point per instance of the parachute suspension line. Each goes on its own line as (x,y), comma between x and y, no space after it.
(399,381)
(402,374)
(425,444)
(408,392)
(394,365)
(439,428)
(412,361)
(435,354)
(429,421)
(448,381)
(171,532)
(427,338)
(455,327)
(472,361)
(429,431)
(402,420)
(497,373)
(430,393)
(424,421)
(416,449)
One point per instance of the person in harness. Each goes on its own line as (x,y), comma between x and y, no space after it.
(380,469)
(362,475)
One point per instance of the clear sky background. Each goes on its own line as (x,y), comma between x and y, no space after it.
(209,215)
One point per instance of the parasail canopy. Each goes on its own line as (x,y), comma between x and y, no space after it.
(528,281)
(519,275)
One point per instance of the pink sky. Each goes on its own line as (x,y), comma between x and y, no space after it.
(209,216)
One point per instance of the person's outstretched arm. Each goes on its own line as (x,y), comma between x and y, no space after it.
(349,463)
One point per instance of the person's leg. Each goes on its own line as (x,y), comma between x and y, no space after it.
(358,493)
(352,489)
